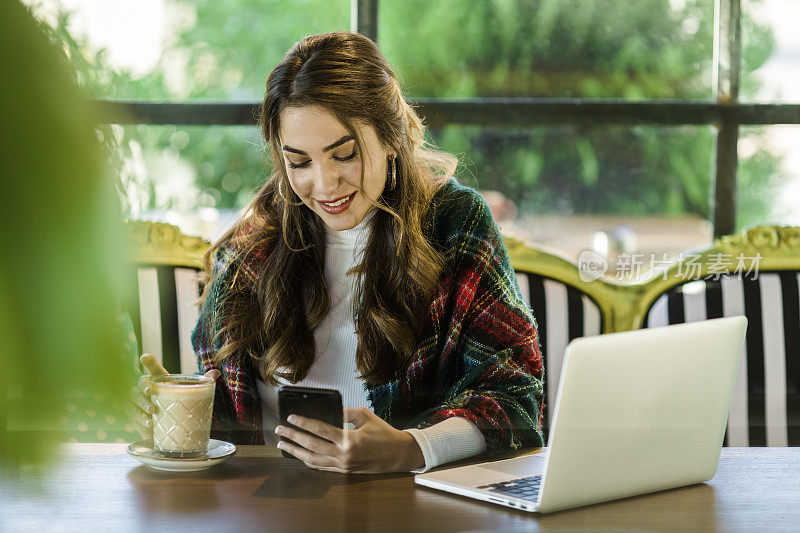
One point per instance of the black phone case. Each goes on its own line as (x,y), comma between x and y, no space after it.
(324,405)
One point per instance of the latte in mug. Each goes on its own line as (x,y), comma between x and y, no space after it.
(182,419)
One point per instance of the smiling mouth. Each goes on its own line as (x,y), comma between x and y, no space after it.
(338,201)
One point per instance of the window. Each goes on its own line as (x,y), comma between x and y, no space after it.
(630,173)
(636,189)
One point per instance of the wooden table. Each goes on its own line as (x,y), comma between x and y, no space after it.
(97,487)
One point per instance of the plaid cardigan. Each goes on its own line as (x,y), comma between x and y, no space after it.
(478,357)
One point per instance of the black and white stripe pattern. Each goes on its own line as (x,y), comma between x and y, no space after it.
(164,311)
(766,400)
(562,313)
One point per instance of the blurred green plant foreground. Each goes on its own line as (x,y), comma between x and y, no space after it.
(60,235)
(452,48)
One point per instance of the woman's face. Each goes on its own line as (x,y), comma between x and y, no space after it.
(324,166)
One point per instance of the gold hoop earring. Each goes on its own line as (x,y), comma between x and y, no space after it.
(280,189)
(392,171)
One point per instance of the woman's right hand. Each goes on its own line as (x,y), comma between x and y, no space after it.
(140,409)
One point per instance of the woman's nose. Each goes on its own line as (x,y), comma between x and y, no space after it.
(326,178)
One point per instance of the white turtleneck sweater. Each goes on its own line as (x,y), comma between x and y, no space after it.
(335,365)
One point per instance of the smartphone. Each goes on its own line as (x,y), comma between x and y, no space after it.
(324,405)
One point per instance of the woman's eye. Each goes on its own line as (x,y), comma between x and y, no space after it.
(304,164)
(347,158)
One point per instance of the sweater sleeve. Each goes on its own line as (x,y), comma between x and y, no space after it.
(450,440)
(490,354)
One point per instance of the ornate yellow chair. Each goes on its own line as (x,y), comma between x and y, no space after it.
(756,274)
(164,268)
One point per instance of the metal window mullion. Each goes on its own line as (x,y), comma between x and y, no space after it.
(727,64)
(364,18)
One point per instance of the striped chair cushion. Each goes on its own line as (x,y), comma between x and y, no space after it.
(766,401)
(164,312)
(562,313)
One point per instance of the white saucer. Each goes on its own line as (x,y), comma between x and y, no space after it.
(218,451)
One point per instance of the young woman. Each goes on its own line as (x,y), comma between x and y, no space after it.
(362,265)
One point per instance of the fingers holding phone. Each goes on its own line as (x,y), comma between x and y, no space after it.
(311,430)
(320,405)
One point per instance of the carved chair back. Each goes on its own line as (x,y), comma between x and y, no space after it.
(755,273)
(164,268)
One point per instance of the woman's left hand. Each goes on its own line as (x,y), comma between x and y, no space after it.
(373,447)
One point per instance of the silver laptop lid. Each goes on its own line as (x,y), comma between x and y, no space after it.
(641,411)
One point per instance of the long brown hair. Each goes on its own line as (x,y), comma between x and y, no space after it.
(272,321)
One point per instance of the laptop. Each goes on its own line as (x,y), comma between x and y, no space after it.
(636,412)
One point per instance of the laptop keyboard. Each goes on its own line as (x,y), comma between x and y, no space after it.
(526,488)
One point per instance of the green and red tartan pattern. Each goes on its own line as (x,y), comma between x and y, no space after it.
(479,356)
